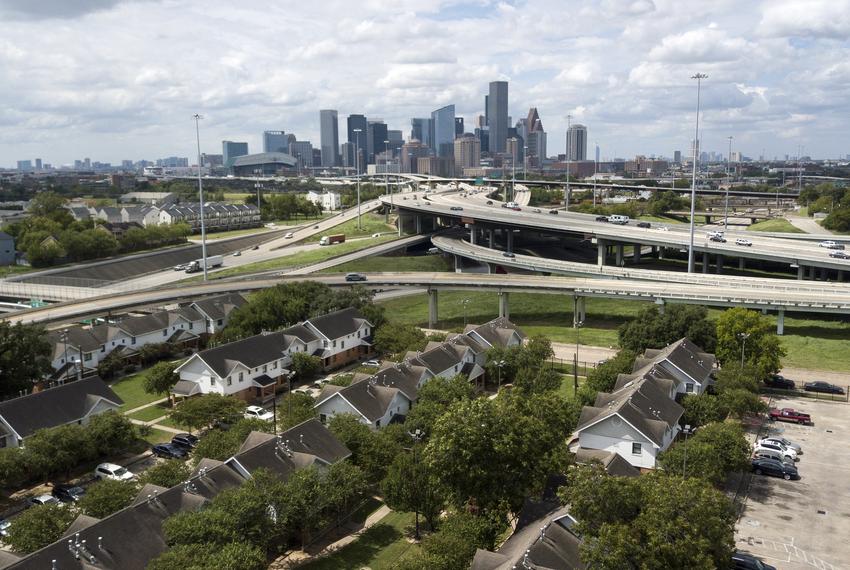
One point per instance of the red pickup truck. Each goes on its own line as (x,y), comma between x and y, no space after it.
(790,415)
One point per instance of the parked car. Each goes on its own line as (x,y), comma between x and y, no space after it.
(762,453)
(822,387)
(185,440)
(554,212)
(775,468)
(743,241)
(169,451)
(258,413)
(744,561)
(789,415)
(786,442)
(456,208)
(355,277)
(644,225)
(68,493)
(789,454)
(601,218)
(779,381)
(4,527)
(288,235)
(112,471)
(838,254)
(42,500)
(372,362)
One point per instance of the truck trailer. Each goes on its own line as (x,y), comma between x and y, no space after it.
(197,265)
(330,240)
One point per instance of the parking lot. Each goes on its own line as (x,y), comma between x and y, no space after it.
(804,524)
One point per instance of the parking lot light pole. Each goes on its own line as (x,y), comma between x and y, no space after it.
(567,151)
(575,358)
(201,195)
(699,77)
(417,437)
(464,302)
(743,337)
(687,431)
(728,185)
(499,368)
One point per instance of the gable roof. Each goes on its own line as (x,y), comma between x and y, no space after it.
(57,406)
(612,461)
(497,332)
(686,356)
(252,352)
(78,339)
(220,306)
(338,323)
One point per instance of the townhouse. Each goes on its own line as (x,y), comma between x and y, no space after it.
(217,215)
(689,367)
(216,310)
(345,337)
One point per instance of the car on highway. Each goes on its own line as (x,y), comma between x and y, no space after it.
(662,228)
(822,387)
(67,492)
(781,382)
(743,241)
(774,467)
(237,254)
(489,202)
(42,500)
(717,238)
(288,235)
(516,209)
(536,210)
(255,248)
(838,254)
(508,254)
(181,267)
(829,244)
(789,415)
(744,561)
(112,471)
(185,440)
(787,453)
(169,451)
(456,208)
(601,218)
(786,442)
(644,225)
(355,277)
(315,227)
(258,413)
(555,212)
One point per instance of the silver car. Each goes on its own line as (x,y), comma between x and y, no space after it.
(786,442)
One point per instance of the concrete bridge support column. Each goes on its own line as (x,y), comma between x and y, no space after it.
(619,255)
(840,275)
(813,273)
(801,272)
(510,241)
(660,253)
(654,251)
(504,306)
(780,322)
(741,263)
(418,224)
(432,308)
(472,234)
(719,264)
(661,304)
(705,262)
(636,254)
(601,252)
(490,237)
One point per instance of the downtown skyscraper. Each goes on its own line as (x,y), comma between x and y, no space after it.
(577,143)
(329,132)
(443,124)
(497,115)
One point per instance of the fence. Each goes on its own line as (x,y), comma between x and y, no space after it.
(803,393)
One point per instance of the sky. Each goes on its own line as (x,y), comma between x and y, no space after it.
(121,79)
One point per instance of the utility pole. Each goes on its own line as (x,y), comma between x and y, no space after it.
(567,188)
(699,77)
(357,167)
(201,196)
(728,184)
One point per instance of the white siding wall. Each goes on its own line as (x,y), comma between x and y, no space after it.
(337,405)
(619,438)
(194,370)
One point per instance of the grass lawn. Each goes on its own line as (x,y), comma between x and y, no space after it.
(371,224)
(566,390)
(426,263)
(660,219)
(776,225)
(302,258)
(379,548)
(301,220)
(237,196)
(158,436)
(812,341)
(130,390)
(151,413)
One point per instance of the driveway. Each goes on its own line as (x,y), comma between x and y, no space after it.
(801,525)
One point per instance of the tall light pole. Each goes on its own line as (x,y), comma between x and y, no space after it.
(357,168)
(464,302)
(499,368)
(575,358)
(567,150)
(699,77)
(688,430)
(387,166)
(201,195)
(728,184)
(417,437)
(595,170)
(743,338)
(258,186)
(513,170)
(524,163)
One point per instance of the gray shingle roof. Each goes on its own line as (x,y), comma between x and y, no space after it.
(496,332)
(220,306)
(56,406)
(78,339)
(612,461)
(253,351)
(686,356)
(339,323)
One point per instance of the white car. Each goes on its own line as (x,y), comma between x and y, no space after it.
(829,244)
(743,241)
(373,362)
(662,228)
(376,235)
(536,210)
(288,235)
(44,500)
(786,442)
(787,452)
(258,413)
(112,471)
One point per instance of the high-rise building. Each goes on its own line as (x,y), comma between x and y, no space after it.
(497,115)
(467,150)
(513,147)
(230,150)
(535,137)
(329,133)
(677,156)
(357,140)
(346,154)
(597,153)
(411,152)
(303,153)
(443,125)
(458,126)
(38,164)
(483,135)
(577,143)
(275,141)
(486,111)
(420,130)
(24,165)
(376,134)
(396,138)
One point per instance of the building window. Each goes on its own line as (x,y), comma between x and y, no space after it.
(103,348)
(212,381)
(219,322)
(165,332)
(377,423)
(358,334)
(689,387)
(133,340)
(635,449)
(229,381)
(191,325)
(342,344)
(265,368)
(241,376)
(87,357)
(334,345)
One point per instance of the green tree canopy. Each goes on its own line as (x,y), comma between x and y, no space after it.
(293,409)
(231,556)
(201,411)
(713,452)
(24,357)
(652,328)
(39,526)
(166,474)
(160,378)
(107,496)
(372,451)
(604,376)
(434,399)
(305,366)
(395,339)
(221,444)
(762,348)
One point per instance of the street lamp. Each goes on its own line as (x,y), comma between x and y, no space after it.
(687,430)
(728,184)
(464,303)
(524,163)
(567,150)
(595,170)
(699,77)
(357,168)
(743,338)
(499,375)
(388,155)
(63,336)
(258,186)
(575,358)
(201,195)
(417,436)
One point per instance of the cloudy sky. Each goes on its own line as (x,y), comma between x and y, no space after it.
(121,79)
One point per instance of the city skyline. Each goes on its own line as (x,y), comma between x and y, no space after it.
(630,84)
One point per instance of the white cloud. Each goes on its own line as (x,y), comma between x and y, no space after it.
(808,18)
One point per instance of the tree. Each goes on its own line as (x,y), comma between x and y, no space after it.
(166,474)
(107,496)
(231,556)
(454,545)
(24,357)
(408,486)
(839,219)
(222,444)
(372,451)
(13,471)
(434,399)
(653,522)
(293,409)
(39,526)
(533,376)
(604,376)
(712,453)
(110,433)
(397,338)
(160,378)
(762,348)
(47,205)
(202,410)
(701,409)
(652,328)
(57,450)
(304,366)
